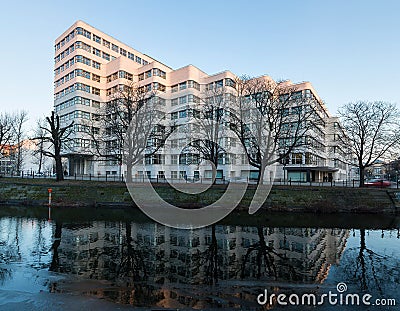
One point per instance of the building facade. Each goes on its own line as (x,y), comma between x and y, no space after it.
(90,66)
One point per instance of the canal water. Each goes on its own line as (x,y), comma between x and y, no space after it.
(102,260)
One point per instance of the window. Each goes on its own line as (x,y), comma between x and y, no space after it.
(79,31)
(174,101)
(219,83)
(96,38)
(174,115)
(230,82)
(122,52)
(131,56)
(193,84)
(182,86)
(115,48)
(141,77)
(193,99)
(174,174)
(106,56)
(95,104)
(147,74)
(125,75)
(182,114)
(138,59)
(106,43)
(87,34)
(96,65)
(159,73)
(182,100)
(95,77)
(96,52)
(174,88)
(95,91)
(82,87)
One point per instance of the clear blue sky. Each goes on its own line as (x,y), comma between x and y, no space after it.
(348,50)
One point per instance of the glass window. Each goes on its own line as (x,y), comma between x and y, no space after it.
(96,38)
(174,88)
(122,52)
(174,101)
(95,77)
(182,100)
(114,47)
(106,56)
(95,91)
(96,65)
(138,59)
(182,86)
(131,56)
(106,43)
(96,52)
(182,114)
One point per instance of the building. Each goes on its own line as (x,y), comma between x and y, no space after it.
(91,65)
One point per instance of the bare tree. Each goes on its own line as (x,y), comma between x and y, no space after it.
(273,119)
(58,137)
(373,131)
(38,153)
(207,128)
(133,126)
(20,119)
(6,131)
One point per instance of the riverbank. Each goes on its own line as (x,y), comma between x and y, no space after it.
(281,198)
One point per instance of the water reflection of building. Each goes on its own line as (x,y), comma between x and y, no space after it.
(168,262)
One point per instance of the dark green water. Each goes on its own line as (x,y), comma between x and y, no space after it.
(106,260)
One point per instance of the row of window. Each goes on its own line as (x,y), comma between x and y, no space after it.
(77,100)
(155,86)
(152,72)
(185,99)
(77,87)
(86,128)
(77,114)
(184,85)
(220,83)
(77,73)
(120,75)
(83,32)
(186,113)
(80,59)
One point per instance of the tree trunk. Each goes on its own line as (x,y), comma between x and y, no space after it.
(129,172)
(59,169)
(362,175)
(261,172)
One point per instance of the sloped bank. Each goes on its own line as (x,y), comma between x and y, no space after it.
(281,198)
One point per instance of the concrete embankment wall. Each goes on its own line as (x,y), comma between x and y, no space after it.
(281,198)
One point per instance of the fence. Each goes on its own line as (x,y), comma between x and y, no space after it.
(200,180)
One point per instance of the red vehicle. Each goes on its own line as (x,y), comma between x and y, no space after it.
(377,183)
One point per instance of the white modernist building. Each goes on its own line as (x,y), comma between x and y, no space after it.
(91,65)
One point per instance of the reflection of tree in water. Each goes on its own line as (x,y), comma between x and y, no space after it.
(10,250)
(131,261)
(211,260)
(370,270)
(265,259)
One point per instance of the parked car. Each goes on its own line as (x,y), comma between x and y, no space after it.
(377,183)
